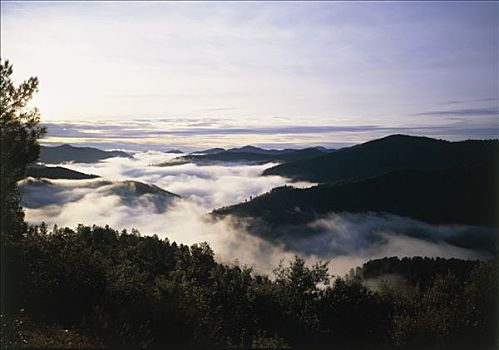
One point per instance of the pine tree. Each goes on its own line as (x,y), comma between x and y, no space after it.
(19,133)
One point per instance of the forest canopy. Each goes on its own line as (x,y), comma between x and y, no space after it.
(111,288)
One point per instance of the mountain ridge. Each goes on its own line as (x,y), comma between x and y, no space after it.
(250,154)
(394,152)
(57,172)
(67,153)
(457,195)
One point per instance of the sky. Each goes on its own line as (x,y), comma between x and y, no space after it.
(421,67)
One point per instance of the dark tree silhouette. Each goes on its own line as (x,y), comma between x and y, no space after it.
(19,133)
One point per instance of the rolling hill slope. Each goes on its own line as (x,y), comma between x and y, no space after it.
(57,172)
(467,195)
(249,154)
(68,153)
(396,152)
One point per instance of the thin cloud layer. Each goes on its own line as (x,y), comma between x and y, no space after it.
(198,134)
(467,112)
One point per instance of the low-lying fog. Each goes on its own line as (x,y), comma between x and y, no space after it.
(344,239)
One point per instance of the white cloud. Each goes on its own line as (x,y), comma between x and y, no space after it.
(210,186)
(346,240)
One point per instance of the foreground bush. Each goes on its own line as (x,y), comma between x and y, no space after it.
(95,286)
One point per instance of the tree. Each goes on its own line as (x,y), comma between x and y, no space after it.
(19,133)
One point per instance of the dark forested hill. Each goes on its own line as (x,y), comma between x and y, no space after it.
(396,152)
(461,195)
(68,153)
(174,151)
(56,172)
(417,271)
(41,192)
(258,150)
(209,151)
(265,157)
(249,154)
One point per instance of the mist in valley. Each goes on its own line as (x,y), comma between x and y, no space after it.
(125,197)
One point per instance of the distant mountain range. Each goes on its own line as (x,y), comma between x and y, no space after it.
(249,154)
(68,153)
(396,152)
(258,150)
(42,171)
(210,151)
(174,151)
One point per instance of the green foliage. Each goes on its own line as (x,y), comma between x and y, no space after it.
(452,314)
(391,153)
(458,195)
(68,153)
(56,173)
(123,289)
(262,341)
(243,155)
(19,134)
(419,272)
(298,291)
(11,334)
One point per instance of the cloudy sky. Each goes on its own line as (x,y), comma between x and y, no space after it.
(253,64)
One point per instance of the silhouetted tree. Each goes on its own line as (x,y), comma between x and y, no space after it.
(19,134)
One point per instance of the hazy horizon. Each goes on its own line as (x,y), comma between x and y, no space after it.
(195,134)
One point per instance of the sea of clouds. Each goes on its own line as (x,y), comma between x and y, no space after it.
(346,240)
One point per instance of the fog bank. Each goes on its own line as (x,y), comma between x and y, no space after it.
(347,240)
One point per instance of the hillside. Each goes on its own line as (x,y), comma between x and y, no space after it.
(209,151)
(416,271)
(251,154)
(462,195)
(396,152)
(37,193)
(68,153)
(174,151)
(56,173)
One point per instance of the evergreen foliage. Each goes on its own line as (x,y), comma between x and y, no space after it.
(459,195)
(19,134)
(122,289)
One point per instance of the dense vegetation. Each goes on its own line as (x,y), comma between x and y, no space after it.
(463,195)
(19,134)
(417,270)
(37,193)
(68,153)
(251,154)
(395,152)
(56,172)
(114,289)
